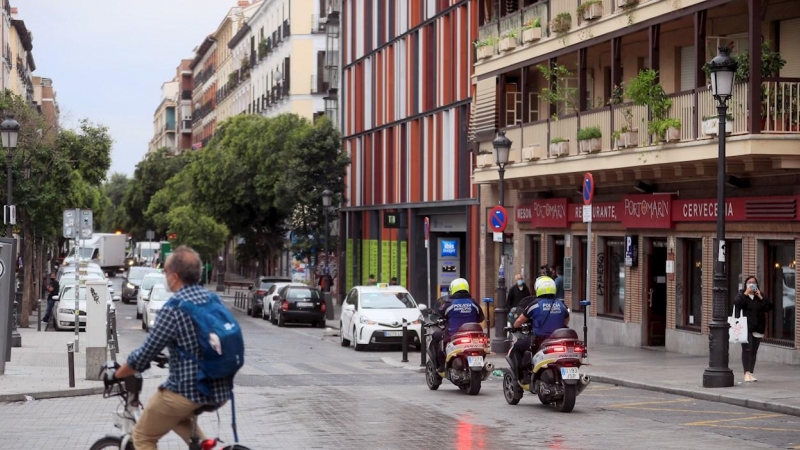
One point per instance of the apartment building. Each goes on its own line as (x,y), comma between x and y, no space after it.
(232,26)
(5,45)
(653,250)
(331,74)
(204,92)
(405,98)
(44,99)
(20,51)
(164,119)
(183,108)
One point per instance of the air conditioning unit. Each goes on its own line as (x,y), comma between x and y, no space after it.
(534,152)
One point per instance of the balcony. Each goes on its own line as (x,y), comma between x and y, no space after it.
(286,29)
(318,23)
(186,94)
(186,126)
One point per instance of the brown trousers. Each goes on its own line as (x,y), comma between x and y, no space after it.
(165,411)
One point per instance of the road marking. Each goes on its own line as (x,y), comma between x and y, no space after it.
(287,369)
(735,427)
(626,405)
(685,410)
(756,417)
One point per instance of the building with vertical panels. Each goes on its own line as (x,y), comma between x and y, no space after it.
(405,101)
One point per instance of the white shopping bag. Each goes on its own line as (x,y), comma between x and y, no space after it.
(737,334)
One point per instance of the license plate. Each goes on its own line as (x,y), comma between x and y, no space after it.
(305,304)
(392,334)
(570,373)
(475,361)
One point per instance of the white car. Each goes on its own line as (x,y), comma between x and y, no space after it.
(374,315)
(269,298)
(159,295)
(65,308)
(70,280)
(149,280)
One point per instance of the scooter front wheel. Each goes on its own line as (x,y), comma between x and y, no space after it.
(511,391)
(432,378)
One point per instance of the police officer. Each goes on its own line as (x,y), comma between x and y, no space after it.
(547,314)
(458,309)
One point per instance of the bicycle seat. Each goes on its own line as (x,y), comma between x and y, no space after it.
(204,409)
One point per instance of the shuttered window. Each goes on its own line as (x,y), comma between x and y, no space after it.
(790,51)
(485,119)
(687,68)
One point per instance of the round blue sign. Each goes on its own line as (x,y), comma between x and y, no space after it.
(498,219)
(588,189)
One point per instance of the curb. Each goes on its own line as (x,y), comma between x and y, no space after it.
(718,398)
(6,398)
(401,365)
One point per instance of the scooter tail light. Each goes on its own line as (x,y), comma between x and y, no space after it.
(579,349)
(462,341)
(555,349)
(208,444)
(261,292)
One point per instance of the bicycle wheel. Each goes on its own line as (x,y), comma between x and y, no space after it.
(236,447)
(107,443)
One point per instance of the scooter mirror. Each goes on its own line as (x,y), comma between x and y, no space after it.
(423,307)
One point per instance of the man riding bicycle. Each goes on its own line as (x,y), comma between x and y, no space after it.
(174,405)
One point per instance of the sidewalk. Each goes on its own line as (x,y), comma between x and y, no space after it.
(674,373)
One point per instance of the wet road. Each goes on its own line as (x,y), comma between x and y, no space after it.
(300,390)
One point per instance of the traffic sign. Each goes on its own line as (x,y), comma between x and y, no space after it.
(498,219)
(427,231)
(588,188)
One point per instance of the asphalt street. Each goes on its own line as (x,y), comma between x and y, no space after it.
(300,390)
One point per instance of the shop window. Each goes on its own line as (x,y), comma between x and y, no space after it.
(692,282)
(779,286)
(611,276)
(578,273)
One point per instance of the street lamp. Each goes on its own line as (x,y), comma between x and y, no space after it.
(502,146)
(718,374)
(326,204)
(9,134)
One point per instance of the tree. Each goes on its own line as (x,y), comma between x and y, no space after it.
(114,190)
(199,231)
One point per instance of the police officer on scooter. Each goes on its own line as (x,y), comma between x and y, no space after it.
(458,309)
(547,314)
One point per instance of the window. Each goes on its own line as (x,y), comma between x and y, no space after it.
(779,286)
(693,283)
(611,276)
(688,64)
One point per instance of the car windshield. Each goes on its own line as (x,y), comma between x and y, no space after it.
(266,284)
(86,252)
(147,252)
(69,294)
(151,280)
(160,294)
(137,273)
(300,293)
(387,300)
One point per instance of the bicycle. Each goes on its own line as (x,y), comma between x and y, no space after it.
(128,390)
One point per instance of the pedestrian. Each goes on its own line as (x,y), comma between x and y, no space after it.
(52,290)
(371,281)
(752,304)
(173,405)
(544,271)
(325,281)
(393,281)
(559,279)
(517,292)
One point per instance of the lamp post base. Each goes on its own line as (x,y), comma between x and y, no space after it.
(717,378)
(500,344)
(718,374)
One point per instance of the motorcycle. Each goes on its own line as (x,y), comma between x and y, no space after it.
(465,353)
(555,369)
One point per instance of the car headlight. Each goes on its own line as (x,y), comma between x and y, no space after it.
(66,311)
(366,321)
(419,320)
(130,286)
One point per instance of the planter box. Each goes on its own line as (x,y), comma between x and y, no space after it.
(485,52)
(594,11)
(629,139)
(711,127)
(531,35)
(559,149)
(673,134)
(533,153)
(626,3)
(508,43)
(485,160)
(593,145)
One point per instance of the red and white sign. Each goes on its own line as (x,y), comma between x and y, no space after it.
(601,212)
(647,211)
(551,213)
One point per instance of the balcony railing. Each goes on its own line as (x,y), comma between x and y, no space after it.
(286,29)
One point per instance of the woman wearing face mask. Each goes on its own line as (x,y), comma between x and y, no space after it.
(754,306)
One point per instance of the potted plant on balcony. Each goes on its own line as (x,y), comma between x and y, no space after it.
(589,140)
(485,48)
(561,24)
(559,147)
(509,41)
(645,90)
(262,49)
(590,9)
(627,135)
(532,31)
(560,93)
(711,125)
(668,129)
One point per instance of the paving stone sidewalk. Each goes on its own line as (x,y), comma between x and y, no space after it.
(674,373)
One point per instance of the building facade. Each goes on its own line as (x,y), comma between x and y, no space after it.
(44,99)
(164,119)
(183,108)
(20,50)
(405,100)
(204,92)
(333,60)
(5,45)
(653,233)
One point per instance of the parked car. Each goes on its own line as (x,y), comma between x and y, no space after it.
(70,281)
(375,314)
(269,298)
(159,296)
(149,280)
(299,304)
(65,308)
(132,280)
(256,294)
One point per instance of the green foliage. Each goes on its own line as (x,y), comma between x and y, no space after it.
(589,133)
(644,89)
(89,150)
(199,231)
(535,23)
(561,24)
(560,93)
(512,33)
(557,140)
(771,64)
(489,41)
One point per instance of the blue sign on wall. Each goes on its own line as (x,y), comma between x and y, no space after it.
(449,248)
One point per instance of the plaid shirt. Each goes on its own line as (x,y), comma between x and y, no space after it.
(174,329)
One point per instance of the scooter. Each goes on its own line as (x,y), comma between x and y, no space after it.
(555,369)
(465,364)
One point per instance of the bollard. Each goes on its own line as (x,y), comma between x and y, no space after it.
(38,315)
(71,363)
(405,341)
(423,352)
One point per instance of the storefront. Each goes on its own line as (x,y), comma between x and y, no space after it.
(651,264)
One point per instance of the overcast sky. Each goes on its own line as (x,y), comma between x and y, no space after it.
(108,58)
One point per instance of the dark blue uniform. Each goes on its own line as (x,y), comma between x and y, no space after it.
(547,315)
(460,308)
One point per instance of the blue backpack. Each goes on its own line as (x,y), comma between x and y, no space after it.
(220,338)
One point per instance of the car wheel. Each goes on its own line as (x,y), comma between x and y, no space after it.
(281,322)
(357,346)
(264,313)
(138,315)
(272,318)
(344,342)
(144,325)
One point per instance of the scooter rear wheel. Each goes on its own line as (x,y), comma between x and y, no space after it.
(567,402)
(511,391)
(432,378)
(474,383)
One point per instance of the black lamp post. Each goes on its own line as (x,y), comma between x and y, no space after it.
(9,134)
(502,146)
(326,204)
(718,374)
